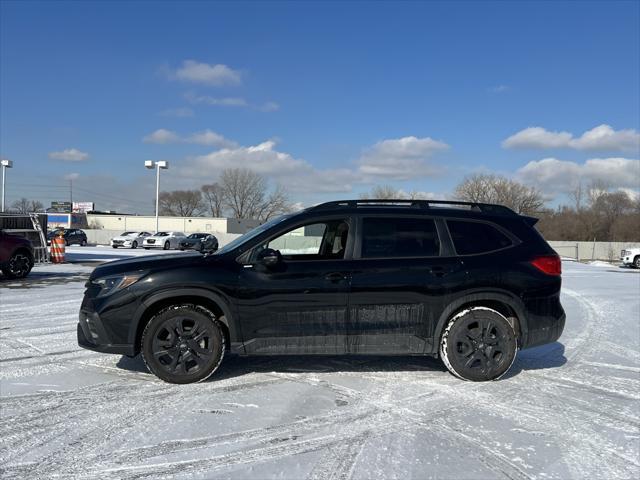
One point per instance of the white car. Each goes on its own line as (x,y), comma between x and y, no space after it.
(631,257)
(164,240)
(129,239)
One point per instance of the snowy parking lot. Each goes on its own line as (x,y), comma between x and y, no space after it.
(566,410)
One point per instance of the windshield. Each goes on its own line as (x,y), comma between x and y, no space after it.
(253,233)
(161,234)
(126,234)
(198,235)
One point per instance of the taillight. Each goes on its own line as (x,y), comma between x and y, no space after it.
(549,264)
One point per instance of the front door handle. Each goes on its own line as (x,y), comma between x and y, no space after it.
(335,277)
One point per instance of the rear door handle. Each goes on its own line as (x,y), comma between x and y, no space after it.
(335,277)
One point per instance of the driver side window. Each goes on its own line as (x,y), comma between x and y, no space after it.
(314,241)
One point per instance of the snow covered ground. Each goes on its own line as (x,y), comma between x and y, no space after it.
(566,410)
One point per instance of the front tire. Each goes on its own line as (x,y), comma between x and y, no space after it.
(478,344)
(183,344)
(19,265)
(166,246)
(636,261)
(134,245)
(83,243)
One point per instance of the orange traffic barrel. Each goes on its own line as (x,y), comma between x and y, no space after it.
(57,249)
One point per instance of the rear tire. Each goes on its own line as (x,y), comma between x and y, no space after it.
(134,245)
(636,261)
(478,344)
(114,246)
(83,243)
(147,248)
(166,246)
(183,344)
(19,265)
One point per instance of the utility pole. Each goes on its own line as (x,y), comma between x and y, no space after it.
(5,164)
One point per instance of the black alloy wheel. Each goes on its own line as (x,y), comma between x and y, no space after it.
(19,265)
(183,344)
(478,345)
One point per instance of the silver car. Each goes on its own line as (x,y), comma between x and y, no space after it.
(129,239)
(164,240)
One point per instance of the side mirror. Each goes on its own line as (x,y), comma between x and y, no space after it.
(269,257)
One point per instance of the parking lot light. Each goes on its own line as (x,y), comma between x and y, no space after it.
(5,164)
(164,165)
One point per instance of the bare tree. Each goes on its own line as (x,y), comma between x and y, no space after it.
(246,195)
(382,192)
(181,203)
(500,190)
(214,197)
(24,205)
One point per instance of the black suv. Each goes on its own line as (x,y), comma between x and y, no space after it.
(70,235)
(469,282)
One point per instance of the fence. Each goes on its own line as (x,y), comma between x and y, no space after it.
(608,251)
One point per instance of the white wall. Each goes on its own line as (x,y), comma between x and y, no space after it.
(608,251)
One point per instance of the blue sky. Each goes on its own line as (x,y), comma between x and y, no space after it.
(326,98)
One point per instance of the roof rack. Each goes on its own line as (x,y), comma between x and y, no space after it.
(488,208)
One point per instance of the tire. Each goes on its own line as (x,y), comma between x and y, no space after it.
(183,344)
(19,265)
(83,243)
(636,261)
(66,242)
(134,245)
(147,248)
(114,246)
(467,338)
(166,245)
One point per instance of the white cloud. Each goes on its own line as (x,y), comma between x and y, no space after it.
(500,89)
(71,176)
(401,158)
(296,174)
(537,137)
(600,138)
(560,176)
(161,136)
(216,75)
(69,155)
(211,138)
(205,137)
(177,112)
(194,99)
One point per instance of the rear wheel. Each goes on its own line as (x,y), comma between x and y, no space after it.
(19,265)
(83,243)
(114,246)
(147,248)
(183,344)
(134,245)
(636,261)
(478,344)
(167,245)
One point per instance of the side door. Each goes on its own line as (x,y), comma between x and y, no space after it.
(298,305)
(402,277)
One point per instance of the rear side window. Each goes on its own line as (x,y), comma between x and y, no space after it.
(399,237)
(474,237)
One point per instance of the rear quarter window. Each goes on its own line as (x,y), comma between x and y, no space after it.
(471,238)
(399,237)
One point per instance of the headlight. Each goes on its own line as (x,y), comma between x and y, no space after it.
(110,285)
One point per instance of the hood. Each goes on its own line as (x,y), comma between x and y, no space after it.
(125,237)
(152,262)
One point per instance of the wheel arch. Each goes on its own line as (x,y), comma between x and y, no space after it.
(205,298)
(505,304)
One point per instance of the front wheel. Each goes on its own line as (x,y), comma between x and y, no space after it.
(19,265)
(636,261)
(183,344)
(478,344)
(167,245)
(83,243)
(134,245)
(147,248)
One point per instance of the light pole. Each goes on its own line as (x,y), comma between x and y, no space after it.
(162,164)
(5,164)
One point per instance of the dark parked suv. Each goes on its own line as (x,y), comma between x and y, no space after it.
(471,283)
(71,236)
(16,255)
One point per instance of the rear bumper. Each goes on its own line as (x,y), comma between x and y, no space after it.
(545,322)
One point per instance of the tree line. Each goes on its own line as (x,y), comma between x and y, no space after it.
(238,193)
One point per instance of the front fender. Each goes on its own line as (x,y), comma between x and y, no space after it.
(229,319)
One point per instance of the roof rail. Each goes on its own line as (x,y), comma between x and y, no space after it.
(488,208)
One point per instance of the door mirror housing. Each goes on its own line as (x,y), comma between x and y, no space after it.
(269,257)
